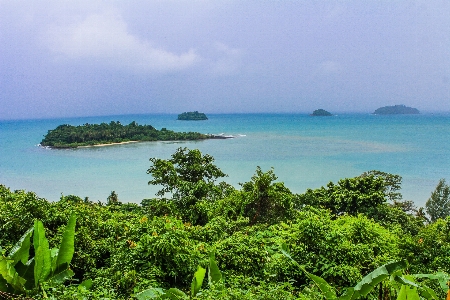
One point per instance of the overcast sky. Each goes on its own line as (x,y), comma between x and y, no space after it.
(84,58)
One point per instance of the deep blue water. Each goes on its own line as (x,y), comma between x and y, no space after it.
(306,152)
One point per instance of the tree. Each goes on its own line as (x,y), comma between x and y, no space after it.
(350,195)
(188,175)
(392,184)
(267,201)
(112,199)
(406,206)
(438,205)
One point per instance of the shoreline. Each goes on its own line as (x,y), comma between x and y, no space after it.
(210,136)
(108,144)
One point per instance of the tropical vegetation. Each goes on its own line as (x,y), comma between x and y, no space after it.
(69,136)
(396,110)
(192,116)
(321,113)
(201,238)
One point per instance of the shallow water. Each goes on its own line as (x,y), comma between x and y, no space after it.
(306,152)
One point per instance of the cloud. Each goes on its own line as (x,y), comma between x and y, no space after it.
(105,38)
(329,67)
(334,12)
(229,60)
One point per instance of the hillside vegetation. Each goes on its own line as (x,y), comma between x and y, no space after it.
(321,113)
(192,116)
(396,110)
(68,136)
(200,238)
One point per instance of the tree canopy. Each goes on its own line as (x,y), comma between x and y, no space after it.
(321,113)
(68,136)
(260,241)
(192,116)
(438,205)
(396,110)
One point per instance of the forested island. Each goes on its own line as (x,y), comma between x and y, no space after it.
(201,238)
(192,116)
(396,110)
(321,113)
(68,136)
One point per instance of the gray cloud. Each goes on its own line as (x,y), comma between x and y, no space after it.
(228,60)
(106,39)
(95,57)
(329,67)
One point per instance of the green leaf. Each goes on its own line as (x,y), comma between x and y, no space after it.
(197,281)
(402,293)
(326,289)
(412,294)
(285,251)
(441,277)
(3,284)
(42,258)
(406,281)
(150,293)
(422,289)
(10,275)
(21,250)
(408,293)
(371,280)
(67,247)
(348,294)
(86,284)
(174,294)
(214,275)
(61,277)
(427,293)
(54,255)
(26,271)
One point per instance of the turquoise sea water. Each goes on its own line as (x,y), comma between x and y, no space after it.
(306,152)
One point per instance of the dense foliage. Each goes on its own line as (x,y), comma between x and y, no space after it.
(396,110)
(21,274)
(192,116)
(68,136)
(438,206)
(336,235)
(321,113)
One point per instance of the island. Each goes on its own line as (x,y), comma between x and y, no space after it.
(68,136)
(396,110)
(192,116)
(321,113)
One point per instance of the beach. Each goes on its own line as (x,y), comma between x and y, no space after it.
(109,144)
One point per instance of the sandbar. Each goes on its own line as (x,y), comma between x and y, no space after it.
(108,144)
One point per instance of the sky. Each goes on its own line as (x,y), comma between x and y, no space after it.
(92,57)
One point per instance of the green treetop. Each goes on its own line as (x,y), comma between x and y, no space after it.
(396,110)
(192,116)
(68,136)
(321,113)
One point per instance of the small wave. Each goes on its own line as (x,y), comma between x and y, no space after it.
(39,145)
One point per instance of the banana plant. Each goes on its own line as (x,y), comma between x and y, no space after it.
(20,274)
(214,277)
(409,289)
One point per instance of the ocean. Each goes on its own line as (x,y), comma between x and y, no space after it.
(305,152)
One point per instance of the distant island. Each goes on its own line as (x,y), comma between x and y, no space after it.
(68,136)
(321,113)
(396,110)
(192,116)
